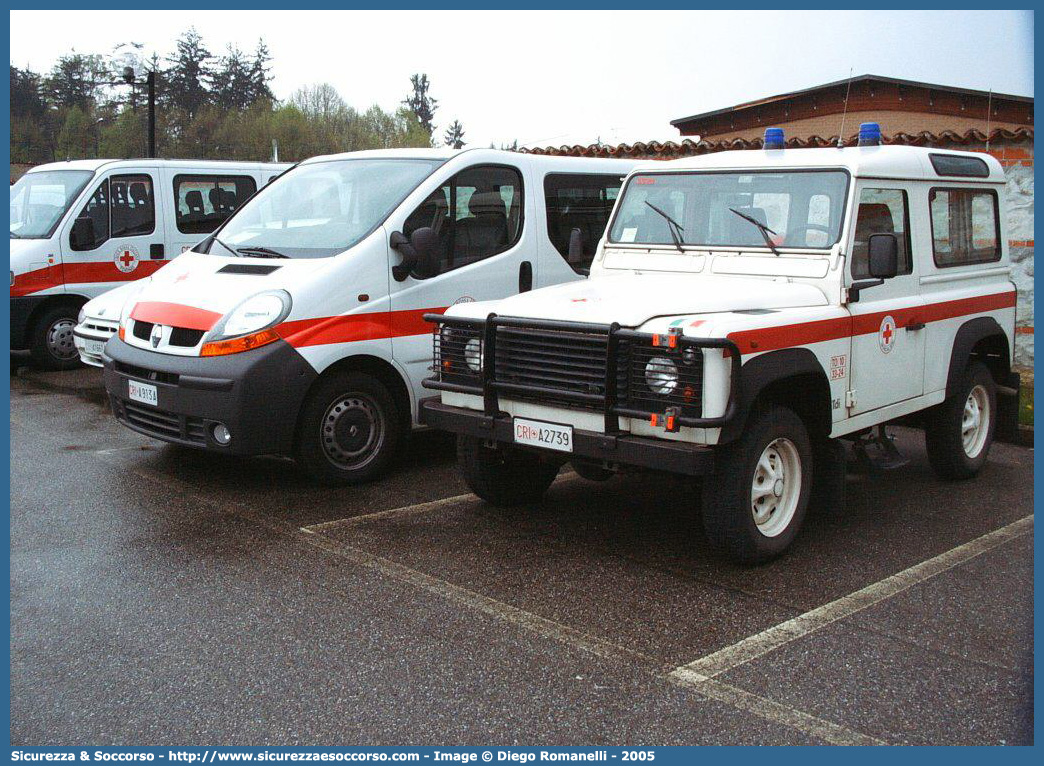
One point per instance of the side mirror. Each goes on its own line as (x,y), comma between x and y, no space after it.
(418,254)
(82,235)
(883,252)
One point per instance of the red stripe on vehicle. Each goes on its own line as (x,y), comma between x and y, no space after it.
(356,327)
(59,274)
(174,315)
(805,333)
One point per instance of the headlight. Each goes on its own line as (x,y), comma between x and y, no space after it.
(254,314)
(81,316)
(473,354)
(248,325)
(661,375)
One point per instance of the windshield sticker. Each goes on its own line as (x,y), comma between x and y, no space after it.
(629,234)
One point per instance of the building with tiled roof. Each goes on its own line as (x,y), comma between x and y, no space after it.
(910,113)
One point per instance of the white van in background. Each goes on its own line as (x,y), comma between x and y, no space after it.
(297,328)
(80,228)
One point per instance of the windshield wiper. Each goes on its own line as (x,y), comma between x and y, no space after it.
(261,252)
(672,226)
(237,255)
(765,230)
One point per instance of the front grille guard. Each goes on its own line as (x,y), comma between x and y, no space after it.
(489,388)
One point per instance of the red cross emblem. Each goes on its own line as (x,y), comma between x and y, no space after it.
(182,277)
(126,259)
(886,334)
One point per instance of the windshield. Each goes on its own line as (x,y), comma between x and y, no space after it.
(321,209)
(39,200)
(790,209)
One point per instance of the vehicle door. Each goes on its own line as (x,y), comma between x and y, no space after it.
(888,336)
(114,237)
(202,201)
(482,230)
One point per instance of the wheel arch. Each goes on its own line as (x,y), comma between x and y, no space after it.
(980,338)
(73,300)
(792,377)
(381,369)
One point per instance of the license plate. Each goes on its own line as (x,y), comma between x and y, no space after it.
(142,392)
(535,433)
(93,347)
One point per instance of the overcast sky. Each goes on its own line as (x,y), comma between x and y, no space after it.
(554,77)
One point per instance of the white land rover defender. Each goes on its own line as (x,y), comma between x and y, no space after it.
(746,310)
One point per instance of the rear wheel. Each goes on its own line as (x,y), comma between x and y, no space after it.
(755,502)
(959,432)
(51,342)
(350,429)
(503,476)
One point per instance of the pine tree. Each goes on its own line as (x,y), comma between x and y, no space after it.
(260,74)
(189,74)
(230,81)
(421,104)
(454,137)
(76,80)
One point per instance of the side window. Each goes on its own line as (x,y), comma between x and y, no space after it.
(881,211)
(965,226)
(97,211)
(582,202)
(132,207)
(474,215)
(204,201)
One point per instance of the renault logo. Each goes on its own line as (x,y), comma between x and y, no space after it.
(156,335)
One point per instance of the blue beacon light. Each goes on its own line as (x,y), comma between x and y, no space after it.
(773,138)
(869,134)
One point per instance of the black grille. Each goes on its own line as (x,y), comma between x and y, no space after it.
(145,374)
(142,330)
(163,424)
(451,354)
(552,360)
(182,336)
(686,394)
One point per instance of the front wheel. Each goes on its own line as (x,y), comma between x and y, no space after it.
(51,343)
(503,476)
(959,432)
(350,429)
(755,502)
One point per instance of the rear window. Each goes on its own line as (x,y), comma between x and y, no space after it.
(965,226)
(953,165)
(205,201)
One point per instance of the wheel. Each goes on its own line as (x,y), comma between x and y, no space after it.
(590,471)
(349,430)
(958,433)
(503,476)
(51,342)
(756,499)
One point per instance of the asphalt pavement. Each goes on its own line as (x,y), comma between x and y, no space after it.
(165,596)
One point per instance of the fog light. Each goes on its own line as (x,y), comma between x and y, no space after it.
(661,375)
(221,434)
(473,354)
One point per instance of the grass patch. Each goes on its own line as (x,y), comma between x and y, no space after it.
(1026,405)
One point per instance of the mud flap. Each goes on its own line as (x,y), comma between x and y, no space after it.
(829,459)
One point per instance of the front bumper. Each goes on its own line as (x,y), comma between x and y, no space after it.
(90,337)
(257,394)
(618,449)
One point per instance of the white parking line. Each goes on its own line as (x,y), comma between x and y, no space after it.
(773,638)
(408,510)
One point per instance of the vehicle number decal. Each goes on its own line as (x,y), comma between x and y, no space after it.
(838,367)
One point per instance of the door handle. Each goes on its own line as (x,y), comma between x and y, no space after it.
(914,326)
(525,276)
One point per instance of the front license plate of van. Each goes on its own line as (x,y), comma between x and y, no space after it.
(142,392)
(93,347)
(535,433)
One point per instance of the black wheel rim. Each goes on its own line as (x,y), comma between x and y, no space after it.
(352,431)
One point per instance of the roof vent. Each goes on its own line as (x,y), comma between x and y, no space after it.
(773,138)
(869,134)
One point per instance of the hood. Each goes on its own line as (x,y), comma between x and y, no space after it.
(634,299)
(109,305)
(219,284)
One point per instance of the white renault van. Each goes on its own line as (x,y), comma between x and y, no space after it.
(80,228)
(297,328)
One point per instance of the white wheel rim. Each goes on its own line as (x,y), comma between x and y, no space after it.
(776,487)
(975,423)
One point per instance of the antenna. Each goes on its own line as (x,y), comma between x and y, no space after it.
(989,109)
(841,134)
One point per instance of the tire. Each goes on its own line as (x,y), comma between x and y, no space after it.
(51,339)
(773,448)
(504,477)
(349,430)
(952,455)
